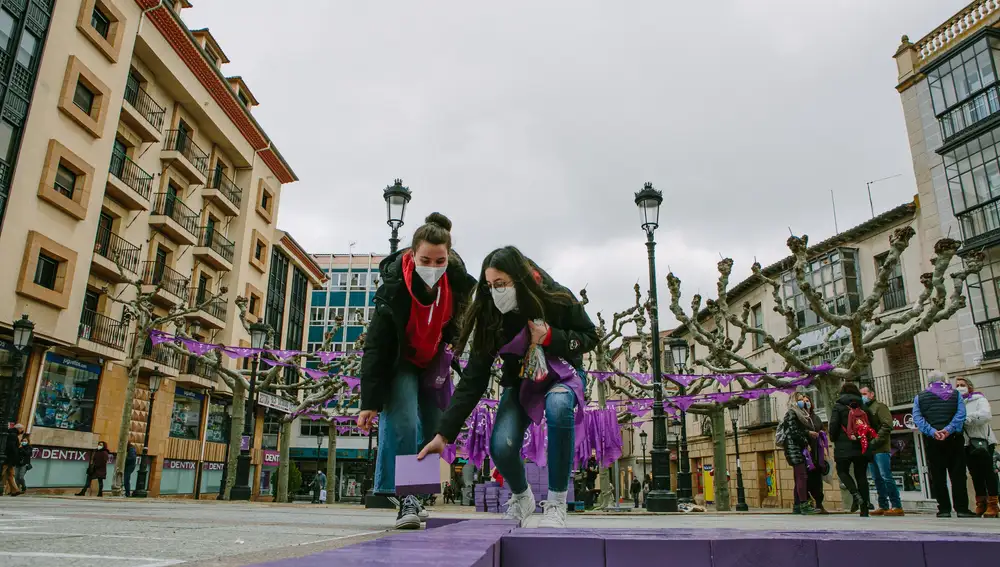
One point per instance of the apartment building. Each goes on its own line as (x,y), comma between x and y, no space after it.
(128,154)
(950,93)
(844,268)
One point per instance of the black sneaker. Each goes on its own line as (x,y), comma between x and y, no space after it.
(944,514)
(408,518)
(965,514)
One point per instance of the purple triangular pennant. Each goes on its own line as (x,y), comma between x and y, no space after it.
(327,357)
(239,352)
(284,354)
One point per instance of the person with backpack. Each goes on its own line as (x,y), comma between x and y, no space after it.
(889,503)
(938,413)
(792,435)
(541,332)
(850,422)
(980,442)
(425,288)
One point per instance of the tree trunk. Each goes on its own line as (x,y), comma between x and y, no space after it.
(720,460)
(607,499)
(235,434)
(285,447)
(126,422)
(332,482)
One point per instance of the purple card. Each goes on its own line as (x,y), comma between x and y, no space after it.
(418,477)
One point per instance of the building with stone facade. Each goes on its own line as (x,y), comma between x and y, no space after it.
(127,153)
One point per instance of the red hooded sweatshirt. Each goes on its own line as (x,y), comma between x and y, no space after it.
(426,321)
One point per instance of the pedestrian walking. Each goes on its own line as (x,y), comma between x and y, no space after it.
(415,327)
(636,488)
(541,333)
(980,444)
(318,485)
(818,457)
(131,460)
(10,460)
(647,485)
(793,437)
(848,452)
(938,413)
(880,468)
(24,450)
(97,469)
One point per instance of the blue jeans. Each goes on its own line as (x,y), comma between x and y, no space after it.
(508,438)
(409,419)
(881,473)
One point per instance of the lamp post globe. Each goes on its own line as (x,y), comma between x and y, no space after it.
(660,498)
(741,497)
(24,331)
(258,334)
(396,198)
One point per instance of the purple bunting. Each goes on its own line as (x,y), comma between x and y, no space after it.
(683,402)
(284,354)
(159,337)
(328,357)
(197,348)
(314,373)
(239,352)
(725,379)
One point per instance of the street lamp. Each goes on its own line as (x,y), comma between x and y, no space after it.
(241,491)
(141,490)
(741,497)
(24,330)
(396,198)
(660,498)
(319,461)
(642,441)
(225,462)
(679,350)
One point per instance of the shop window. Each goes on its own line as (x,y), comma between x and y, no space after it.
(46,271)
(104,25)
(177,477)
(67,394)
(84,98)
(211,478)
(217,428)
(185,420)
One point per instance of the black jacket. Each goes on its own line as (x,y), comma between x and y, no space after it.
(573,334)
(24,455)
(843,446)
(796,439)
(387,329)
(10,447)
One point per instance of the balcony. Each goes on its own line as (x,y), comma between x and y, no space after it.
(115,259)
(196,374)
(224,193)
(895,296)
(142,113)
(989,337)
(180,151)
(211,315)
(759,413)
(159,359)
(215,249)
(168,287)
(899,388)
(980,225)
(969,113)
(174,219)
(128,183)
(102,335)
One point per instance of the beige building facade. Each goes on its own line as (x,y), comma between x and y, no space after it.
(130,155)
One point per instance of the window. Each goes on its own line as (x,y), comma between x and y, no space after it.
(277,281)
(220,172)
(7,22)
(894,296)
(272,428)
(984,301)
(258,258)
(961,76)
(337,281)
(185,419)
(972,171)
(309,428)
(67,394)
(758,323)
(100,22)
(46,271)
(65,180)
(83,98)
(27,49)
(265,202)
(243,98)
(254,304)
(313,347)
(355,316)
(834,276)
(317,315)
(8,134)
(259,249)
(336,313)
(359,281)
(296,312)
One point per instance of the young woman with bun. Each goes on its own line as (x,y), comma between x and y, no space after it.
(519,304)
(424,290)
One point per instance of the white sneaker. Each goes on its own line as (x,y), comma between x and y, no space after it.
(422,512)
(520,507)
(553,515)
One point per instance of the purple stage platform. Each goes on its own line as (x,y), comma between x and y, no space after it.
(497,543)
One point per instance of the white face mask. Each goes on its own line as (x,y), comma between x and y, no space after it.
(962,390)
(504,298)
(430,274)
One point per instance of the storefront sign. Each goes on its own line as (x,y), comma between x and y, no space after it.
(182,465)
(275,402)
(188,394)
(59,454)
(271,458)
(903,422)
(73,363)
(212,466)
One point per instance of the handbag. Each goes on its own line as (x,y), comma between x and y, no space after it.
(979,447)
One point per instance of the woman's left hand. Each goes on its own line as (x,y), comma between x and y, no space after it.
(538,332)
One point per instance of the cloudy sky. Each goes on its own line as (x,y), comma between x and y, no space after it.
(533,123)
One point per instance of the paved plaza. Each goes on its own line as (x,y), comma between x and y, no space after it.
(36,531)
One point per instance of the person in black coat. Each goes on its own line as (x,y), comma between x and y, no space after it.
(10,460)
(425,290)
(24,450)
(515,296)
(130,463)
(795,426)
(847,452)
(97,469)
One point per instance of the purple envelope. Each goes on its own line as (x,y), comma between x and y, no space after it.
(418,477)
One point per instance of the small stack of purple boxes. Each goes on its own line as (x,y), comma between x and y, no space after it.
(487,497)
(538,480)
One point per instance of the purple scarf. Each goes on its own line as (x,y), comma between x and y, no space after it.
(942,390)
(822,443)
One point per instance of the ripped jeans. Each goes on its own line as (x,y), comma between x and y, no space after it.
(508,437)
(408,421)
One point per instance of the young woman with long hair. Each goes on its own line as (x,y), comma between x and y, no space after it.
(415,323)
(516,300)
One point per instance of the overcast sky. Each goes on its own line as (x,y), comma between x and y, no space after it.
(533,123)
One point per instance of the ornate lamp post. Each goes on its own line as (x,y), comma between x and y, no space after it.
(142,478)
(225,462)
(396,198)
(319,459)
(741,497)
(24,331)
(642,441)
(660,498)
(679,350)
(241,491)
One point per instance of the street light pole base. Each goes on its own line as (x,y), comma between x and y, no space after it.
(239,493)
(661,501)
(241,490)
(684,486)
(742,508)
